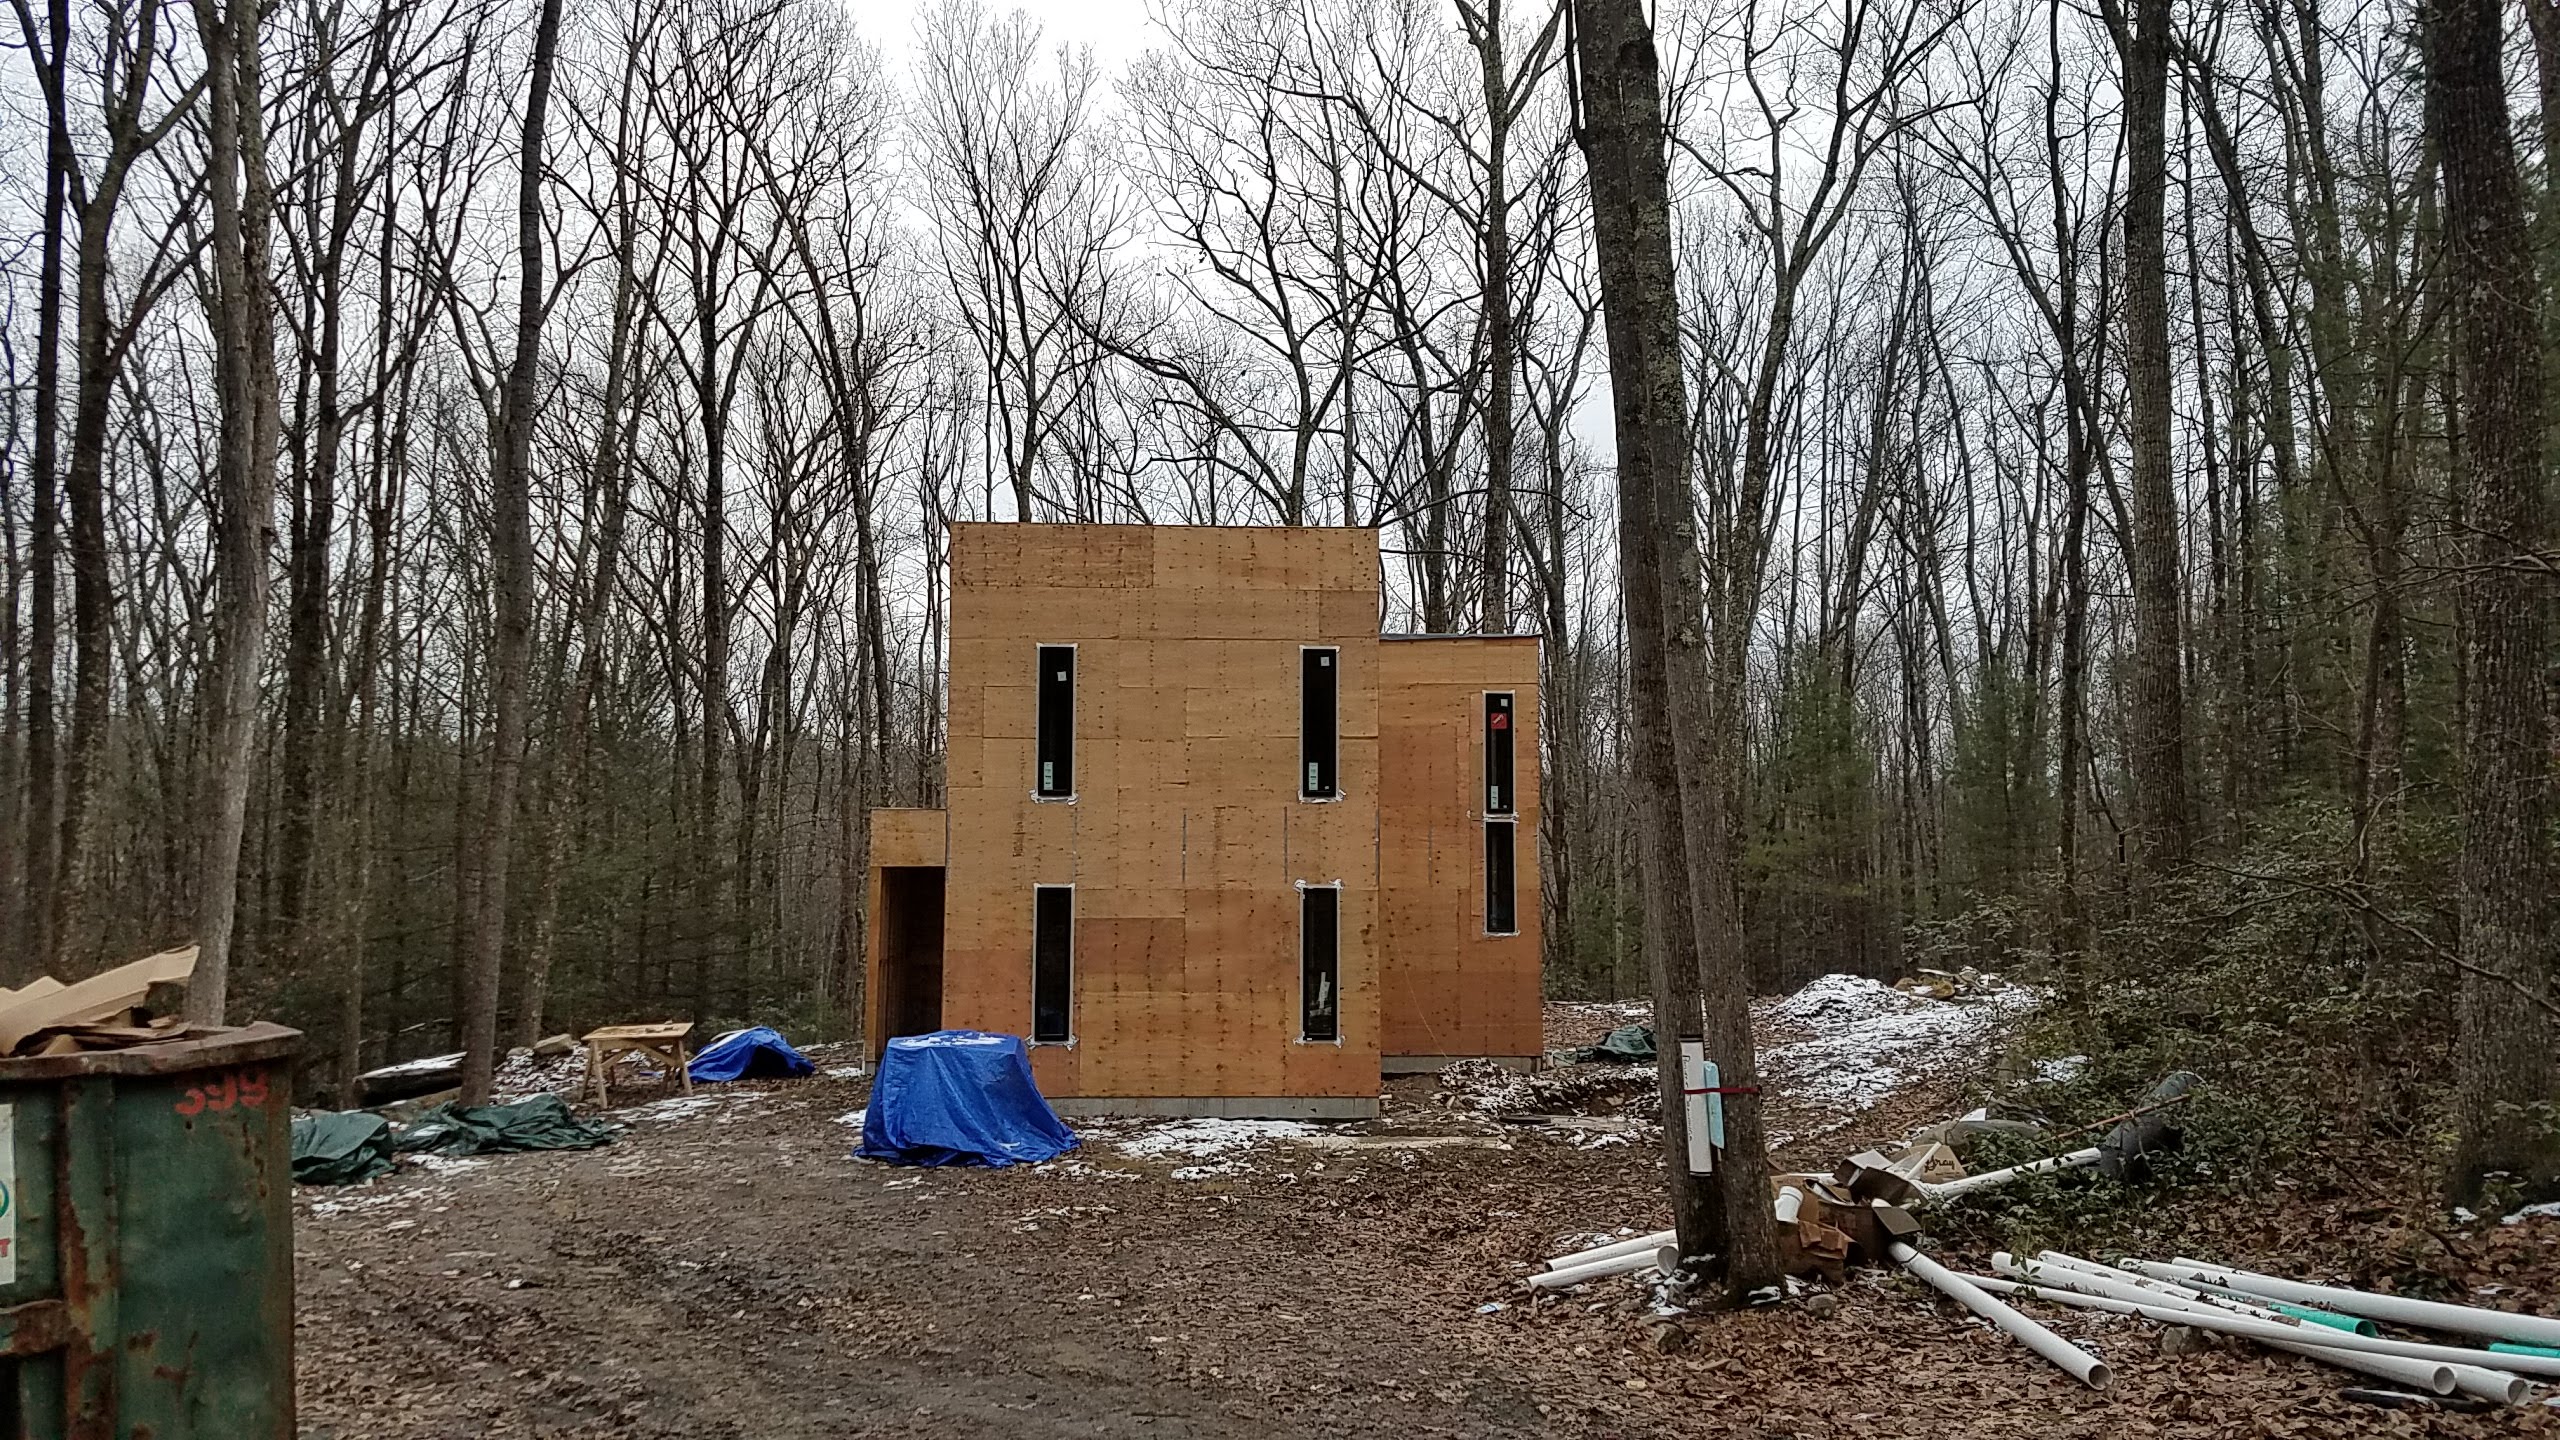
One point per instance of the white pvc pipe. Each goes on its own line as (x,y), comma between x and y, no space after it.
(2055,1259)
(2076,1160)
(2088,1369)
(2434,1378)
(2397,1309)
(2227,1299)
(1615,1248)
(2498,1387)
(2055,1270)
(2170,1311)
(1665,1258)
(2052,1276)
(1790,1204)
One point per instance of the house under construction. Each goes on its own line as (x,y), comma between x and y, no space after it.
(1213,844)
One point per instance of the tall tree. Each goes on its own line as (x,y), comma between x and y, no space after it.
(1622,143)
(244,332)
(511,558)
(2155,719)
(2504,1073)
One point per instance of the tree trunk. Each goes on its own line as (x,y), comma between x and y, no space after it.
(244,339)
(1622,145)
(1502,357)
(511,559)
(2503,1065)
(2156,717)
(43,836)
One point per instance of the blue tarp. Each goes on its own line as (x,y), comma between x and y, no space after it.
(760,1053)
(958,1097)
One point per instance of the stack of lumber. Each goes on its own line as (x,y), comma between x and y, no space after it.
(107,1011)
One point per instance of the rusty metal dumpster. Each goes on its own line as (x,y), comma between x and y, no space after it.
(146,1241)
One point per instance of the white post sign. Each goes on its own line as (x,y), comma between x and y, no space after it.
(8,1194)
(1697,1078)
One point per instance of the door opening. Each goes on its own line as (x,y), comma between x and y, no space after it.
(910,922)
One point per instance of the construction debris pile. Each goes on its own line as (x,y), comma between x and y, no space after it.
(1862,1211)
(1493,1089)
(107,1011)
(2492,1353)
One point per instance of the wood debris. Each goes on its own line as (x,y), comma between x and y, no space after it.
(107,1011)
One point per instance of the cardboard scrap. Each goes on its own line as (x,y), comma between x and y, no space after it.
(48,1004)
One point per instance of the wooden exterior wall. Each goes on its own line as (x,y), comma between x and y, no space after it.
(1447,987)
(1186,837)
(899,839)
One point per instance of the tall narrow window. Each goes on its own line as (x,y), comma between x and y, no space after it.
(1501,917)
(1057,746)
(1319,685)
(1498,799)
(1053,963)
(1320,963)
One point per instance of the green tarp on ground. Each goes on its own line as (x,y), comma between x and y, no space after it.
(541,1123)
(345,1147)
(1626,1045)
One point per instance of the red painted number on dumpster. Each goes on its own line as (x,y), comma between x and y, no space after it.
(238,1087)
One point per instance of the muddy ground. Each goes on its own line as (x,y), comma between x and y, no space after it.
(726,1271)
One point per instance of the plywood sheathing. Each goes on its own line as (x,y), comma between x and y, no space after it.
(910,837)
(1186,838)
(1448,988)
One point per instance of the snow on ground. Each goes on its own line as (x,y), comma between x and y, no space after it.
(1219,1146)
(1866,1039)
(687,1107)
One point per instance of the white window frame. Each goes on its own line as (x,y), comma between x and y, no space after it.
(1339,1029)
(1340,790)
(1484,872)
(1075,704)
(1069,1042)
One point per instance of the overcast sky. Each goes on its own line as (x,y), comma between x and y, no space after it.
(1116,29)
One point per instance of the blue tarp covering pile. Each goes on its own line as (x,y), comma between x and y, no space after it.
(757,1054)
(958,1097)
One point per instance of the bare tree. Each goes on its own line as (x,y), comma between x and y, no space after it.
(2505,1076)
(2156,718)
(245,360)
(511,556)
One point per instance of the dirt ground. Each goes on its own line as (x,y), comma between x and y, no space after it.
(726,1269)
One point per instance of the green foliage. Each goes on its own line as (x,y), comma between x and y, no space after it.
(2309,997)
(1998,800)
(1820,904)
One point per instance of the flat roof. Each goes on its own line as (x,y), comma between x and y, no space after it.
(1461,635)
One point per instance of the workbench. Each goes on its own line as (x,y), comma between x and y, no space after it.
(662,1042)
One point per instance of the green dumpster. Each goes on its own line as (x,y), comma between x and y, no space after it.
(146,1241)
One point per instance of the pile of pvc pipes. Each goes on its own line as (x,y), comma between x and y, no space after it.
(2332,1325)
(1657,1251)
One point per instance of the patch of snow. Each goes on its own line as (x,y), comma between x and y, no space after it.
(2463,1215)
(686,1107)
(1868,1039)
(2544,1211)
(854,1117)
(1210,1139)
(427,1160)
(2061,1069)
(423,1065)
(845,1072)
(365,1198)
